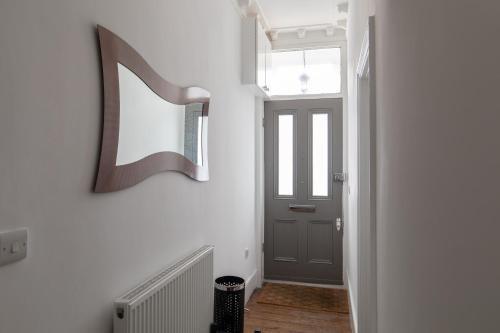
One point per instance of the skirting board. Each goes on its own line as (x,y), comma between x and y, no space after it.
(250,285)
(306,284)
(353,315)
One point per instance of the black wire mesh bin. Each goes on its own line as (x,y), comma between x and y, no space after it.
(229,304)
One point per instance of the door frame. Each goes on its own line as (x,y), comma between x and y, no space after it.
(257,277)
(367,184)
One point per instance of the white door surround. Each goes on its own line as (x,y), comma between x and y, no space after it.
(366,128)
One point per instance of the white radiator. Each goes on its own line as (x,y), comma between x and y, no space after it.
(179,299)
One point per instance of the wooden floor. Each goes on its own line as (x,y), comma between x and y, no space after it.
(281,319)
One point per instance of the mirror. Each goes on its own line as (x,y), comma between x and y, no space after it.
(150,125)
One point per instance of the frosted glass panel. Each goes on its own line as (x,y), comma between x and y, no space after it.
(285,154)
(287,68)
(320,154)
(322,66)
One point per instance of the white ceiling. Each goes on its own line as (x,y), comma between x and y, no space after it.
(295,13)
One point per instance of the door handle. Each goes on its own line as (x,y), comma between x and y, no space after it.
(339,177)
(302,208)
(339,223)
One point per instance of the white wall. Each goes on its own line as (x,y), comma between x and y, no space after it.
(439,162)
(359,12)
(86,249)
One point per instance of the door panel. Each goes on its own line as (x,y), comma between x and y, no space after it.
(286,241)
(303,151)
(319,244)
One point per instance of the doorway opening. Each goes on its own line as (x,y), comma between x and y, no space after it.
(303,164)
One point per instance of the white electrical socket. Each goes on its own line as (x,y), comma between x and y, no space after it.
(13,246)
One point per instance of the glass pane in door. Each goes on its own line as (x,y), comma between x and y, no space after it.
(285,154)
(320,155)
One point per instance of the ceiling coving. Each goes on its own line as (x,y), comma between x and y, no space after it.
(297,16)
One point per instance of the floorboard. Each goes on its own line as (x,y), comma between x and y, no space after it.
(280,319)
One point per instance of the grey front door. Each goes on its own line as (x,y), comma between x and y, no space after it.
(303,152)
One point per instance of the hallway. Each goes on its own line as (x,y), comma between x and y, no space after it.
(272,318)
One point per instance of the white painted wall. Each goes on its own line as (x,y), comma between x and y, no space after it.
(439,162)
(359,11)
(86,249)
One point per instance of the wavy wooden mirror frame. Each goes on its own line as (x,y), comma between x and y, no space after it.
(112,177)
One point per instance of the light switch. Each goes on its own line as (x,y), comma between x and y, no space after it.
(13,246)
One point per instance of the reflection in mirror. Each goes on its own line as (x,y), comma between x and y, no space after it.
(149,124)
(195,130)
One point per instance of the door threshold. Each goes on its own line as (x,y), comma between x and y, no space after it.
(305,284)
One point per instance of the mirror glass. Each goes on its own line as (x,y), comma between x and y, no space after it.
(149,124)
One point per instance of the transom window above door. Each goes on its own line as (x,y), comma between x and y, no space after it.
(306,72)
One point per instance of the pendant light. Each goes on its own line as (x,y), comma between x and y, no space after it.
(304,78)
